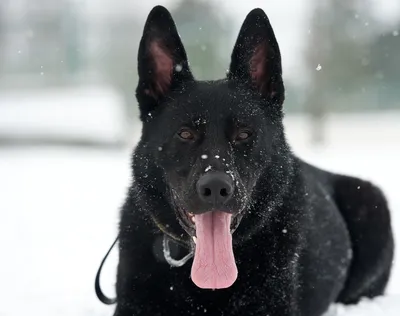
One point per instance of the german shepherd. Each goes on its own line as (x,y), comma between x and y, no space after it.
(214,178)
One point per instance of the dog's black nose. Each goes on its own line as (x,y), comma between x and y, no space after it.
(215,188)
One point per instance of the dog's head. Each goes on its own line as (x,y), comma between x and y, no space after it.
(217,144)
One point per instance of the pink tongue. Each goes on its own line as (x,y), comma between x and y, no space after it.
(214,264)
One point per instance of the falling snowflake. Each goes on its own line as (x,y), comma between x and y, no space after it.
(395,33)
(319,67)
(207,169)
(178,68)
(160,148)
(204,156)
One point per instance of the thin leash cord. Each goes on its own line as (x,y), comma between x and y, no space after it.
(100,295)
(167,255)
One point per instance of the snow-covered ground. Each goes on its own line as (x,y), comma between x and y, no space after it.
(89,114)
(59,211)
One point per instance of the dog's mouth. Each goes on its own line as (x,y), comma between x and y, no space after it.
(188,222)
(214,265)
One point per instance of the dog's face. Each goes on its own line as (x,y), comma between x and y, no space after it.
(212,140)
(216,139)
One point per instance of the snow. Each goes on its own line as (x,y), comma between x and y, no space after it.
(59,210)
(178,68)
(388,306)
(82,113)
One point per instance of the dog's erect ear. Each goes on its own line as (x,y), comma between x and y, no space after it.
(256,59)
(162,60)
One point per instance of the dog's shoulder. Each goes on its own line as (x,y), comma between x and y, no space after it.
(365,210)
(361,203)
(348,192)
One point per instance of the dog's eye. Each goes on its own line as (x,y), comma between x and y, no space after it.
(243,135)
(186,134)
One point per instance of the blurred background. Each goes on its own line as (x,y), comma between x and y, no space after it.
(69,120)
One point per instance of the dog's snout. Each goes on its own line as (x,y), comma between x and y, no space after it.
(215,188)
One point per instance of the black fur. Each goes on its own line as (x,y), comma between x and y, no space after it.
(307,238)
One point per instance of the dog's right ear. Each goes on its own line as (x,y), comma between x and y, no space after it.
(162,61)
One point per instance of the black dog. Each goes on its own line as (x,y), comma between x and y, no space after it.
(271,235)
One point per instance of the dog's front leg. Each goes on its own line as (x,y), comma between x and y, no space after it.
(275,292)
(146,287)
(143,283)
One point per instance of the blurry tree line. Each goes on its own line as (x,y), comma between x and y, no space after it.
(39,39)
(53,43)
(353,61)
(352,57)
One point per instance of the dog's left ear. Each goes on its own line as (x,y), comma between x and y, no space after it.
(162,60)
(256,59)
